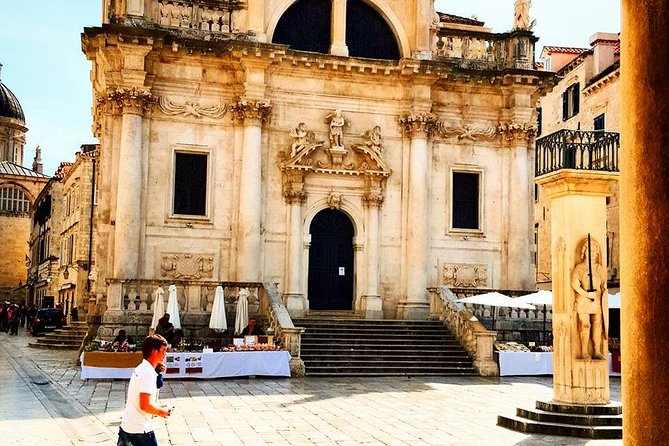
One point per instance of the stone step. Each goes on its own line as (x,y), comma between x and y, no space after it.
(53,346)
(344,350)
(64,335)
(390,371)
(47,341)
(333,314)
(82,330)
(322,331)
(605,409)
(566,430)
(570,418)
(302,322)
(379,343)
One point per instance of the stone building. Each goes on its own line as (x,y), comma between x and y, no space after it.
(61,241)
(19,186)
(353,152)
(584,107)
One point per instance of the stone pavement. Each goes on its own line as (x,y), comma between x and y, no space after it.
(44,401)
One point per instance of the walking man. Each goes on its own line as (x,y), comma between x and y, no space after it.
(141,404)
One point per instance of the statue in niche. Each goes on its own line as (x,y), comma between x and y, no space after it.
(522,14)
(299,134)
(588,279)
(337,123)
(374,140)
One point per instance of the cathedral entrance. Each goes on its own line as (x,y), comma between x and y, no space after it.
(331,261)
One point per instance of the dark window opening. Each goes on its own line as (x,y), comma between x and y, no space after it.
(305,26)
(465,200)
(599,125)
(539,121)
(571,101)
(190,184)
(368,35)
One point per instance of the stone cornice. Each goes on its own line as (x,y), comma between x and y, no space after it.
(252,111)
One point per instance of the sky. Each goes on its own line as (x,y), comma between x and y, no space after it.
(43,65)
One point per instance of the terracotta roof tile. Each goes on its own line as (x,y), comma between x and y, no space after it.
(565,49)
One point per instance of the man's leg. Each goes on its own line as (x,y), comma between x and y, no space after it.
(584,335)
(597,336)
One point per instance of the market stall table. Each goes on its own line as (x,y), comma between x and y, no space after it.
(190,364)
(530,363)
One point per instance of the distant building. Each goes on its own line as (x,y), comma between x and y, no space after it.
(62,234)
(19,186)
(586,105)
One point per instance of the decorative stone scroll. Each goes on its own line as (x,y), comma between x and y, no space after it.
(252,110)
(189,108)
(187,266)
(474,132)
(465,275)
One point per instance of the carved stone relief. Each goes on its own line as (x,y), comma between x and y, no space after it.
(465,276)
(188,108)
(474,132)
(187,266)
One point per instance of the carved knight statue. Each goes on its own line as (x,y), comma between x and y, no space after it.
(522,15)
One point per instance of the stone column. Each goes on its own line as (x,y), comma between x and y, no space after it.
(293,297)
(256,19)
(135,7)
(644,213)
(252,113)
(578,208)
(372,304)
(131,103)
(338,29)
(424,20)
(415,304)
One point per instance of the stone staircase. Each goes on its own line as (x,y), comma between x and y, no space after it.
(343,344)
(594,422)
(66,338)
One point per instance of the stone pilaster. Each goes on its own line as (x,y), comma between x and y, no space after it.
(372,304)
(293,297)
(252,114)
(338,29)
(256,19)
(644,215)
(131,103)
(415,303)
(424,21)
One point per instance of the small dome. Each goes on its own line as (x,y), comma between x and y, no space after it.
(9,105)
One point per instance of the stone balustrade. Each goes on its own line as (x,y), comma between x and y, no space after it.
(469,331)
(485,51)
(201,15)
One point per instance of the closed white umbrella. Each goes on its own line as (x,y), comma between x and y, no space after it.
(242,316)
(158,307)
(541,297)
(218,320)
(614,301)
(495,300)
(173,307)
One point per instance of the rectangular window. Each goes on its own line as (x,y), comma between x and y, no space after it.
(571,101)
(190,184)
(465,208)
(599,123)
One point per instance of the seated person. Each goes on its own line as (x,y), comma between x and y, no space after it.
(177,337)
(165,328)
(123,337)
(252,329)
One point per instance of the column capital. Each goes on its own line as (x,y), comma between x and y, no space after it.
(419,125)
(295,196)
(252,111)
(372,200)
(128,100)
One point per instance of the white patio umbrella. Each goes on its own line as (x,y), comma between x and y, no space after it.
(173,307)
(495,299)
(218,320)
(242,316)
(614,301)
(158,307)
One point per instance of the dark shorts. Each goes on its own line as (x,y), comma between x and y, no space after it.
(145,439)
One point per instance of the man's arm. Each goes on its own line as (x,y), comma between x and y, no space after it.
(147,406)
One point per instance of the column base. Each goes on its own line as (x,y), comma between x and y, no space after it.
(413,311)
(339,49)
(296,304)
(372,306)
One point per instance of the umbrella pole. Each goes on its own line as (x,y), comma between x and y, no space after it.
(544,330)
(494,310)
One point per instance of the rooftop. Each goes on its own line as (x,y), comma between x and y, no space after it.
(9,168)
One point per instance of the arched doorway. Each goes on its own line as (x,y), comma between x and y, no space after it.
(331,261)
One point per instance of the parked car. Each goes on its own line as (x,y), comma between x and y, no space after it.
(48,319)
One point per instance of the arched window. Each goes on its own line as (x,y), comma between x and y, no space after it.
(306,26)
(13,200)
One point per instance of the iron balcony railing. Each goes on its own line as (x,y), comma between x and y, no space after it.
(576,149)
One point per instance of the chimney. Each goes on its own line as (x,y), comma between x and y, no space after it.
(603,48)
(37,161)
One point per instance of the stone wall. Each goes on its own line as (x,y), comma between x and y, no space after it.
(15,230)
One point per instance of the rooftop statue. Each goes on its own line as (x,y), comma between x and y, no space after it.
(522,15)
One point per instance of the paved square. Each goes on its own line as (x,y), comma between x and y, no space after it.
(46,402)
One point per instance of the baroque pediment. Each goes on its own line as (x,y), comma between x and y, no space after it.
(309,155)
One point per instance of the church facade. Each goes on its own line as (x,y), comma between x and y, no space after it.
(354,152)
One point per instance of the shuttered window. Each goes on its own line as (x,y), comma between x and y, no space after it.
(571,99)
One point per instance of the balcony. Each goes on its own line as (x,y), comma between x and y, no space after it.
(579,150)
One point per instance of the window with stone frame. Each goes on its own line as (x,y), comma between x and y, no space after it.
(571,99)
(465,201)
(190,184)
(13,200)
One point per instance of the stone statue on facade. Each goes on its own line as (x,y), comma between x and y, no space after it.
(337,123)
(299,135)
(374,140)
(588,279)
(522,15)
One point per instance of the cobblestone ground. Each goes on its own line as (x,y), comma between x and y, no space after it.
(44,401)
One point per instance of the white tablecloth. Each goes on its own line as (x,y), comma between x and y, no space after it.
(207,365)
(530,363)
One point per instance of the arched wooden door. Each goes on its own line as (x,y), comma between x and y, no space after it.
(331,261)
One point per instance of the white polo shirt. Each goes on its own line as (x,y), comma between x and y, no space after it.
(143,380)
